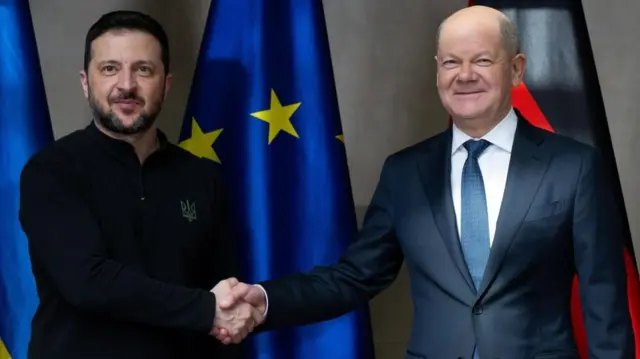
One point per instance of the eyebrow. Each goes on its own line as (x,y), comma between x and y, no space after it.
(449,55)
(135,63)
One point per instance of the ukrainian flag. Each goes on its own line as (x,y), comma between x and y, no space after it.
(263,107)
(24,127)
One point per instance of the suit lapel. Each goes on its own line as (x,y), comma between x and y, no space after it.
(526,169)
(435,174)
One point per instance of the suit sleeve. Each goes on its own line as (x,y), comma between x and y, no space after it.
(599,260)
(66,247)
(370,264)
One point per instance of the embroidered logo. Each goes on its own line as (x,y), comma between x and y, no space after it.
(188,210)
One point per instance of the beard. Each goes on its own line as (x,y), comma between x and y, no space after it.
(110,121)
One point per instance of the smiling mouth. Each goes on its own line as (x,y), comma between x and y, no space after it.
(468,93)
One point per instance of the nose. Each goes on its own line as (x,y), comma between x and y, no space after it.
(127,80)
(467,73)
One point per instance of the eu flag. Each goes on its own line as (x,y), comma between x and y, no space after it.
(263,106)
(24,127)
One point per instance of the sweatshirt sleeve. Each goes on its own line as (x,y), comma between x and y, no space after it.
(65,244)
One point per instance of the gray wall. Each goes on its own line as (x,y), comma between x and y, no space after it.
(614,28)
(383,61)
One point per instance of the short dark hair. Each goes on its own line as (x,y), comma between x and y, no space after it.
(127,20)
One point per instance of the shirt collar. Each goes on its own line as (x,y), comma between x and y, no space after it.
(121,149)
(501,135)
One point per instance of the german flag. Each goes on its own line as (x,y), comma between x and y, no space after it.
(561,93)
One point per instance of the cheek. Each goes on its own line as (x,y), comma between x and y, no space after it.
(151,90)
(100,96)
(151,97)
(497,80)
(445,81)
(101,90)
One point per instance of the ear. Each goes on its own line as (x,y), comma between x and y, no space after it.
(437,73)
(518,66)
(167,85)
(84,81)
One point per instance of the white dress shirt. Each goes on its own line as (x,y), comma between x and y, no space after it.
(494,165)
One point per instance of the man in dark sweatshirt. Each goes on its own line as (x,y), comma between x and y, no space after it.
(127,232)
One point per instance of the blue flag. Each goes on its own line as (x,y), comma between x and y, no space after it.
(24,128)
(263,106)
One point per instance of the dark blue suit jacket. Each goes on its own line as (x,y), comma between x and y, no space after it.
(557,217)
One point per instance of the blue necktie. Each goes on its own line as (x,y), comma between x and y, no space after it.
(475,221)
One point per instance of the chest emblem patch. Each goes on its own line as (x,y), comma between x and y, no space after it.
(189,210)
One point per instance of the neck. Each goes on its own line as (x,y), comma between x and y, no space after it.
(478,127)
(144,143)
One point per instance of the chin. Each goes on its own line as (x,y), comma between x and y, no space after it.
(467,114)
(469,109)
(127,123)
(129,119)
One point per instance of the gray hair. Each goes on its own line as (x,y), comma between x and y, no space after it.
(509,34)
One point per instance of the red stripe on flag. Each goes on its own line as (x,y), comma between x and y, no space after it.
(579,332)
(526,104)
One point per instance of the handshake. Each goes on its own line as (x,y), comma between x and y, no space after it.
(240,308)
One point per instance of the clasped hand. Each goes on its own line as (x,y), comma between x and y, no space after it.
(239,309)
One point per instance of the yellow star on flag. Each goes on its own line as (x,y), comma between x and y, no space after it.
(278,117)
(340,137)
(4,353)
(200,143)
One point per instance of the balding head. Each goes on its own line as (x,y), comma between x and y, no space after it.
(488,17)
(478,64)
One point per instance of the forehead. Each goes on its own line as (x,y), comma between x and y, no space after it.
(468,38)
(126,45)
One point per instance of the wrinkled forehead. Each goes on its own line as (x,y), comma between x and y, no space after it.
(468,37)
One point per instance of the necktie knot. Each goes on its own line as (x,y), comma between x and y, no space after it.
(476,147)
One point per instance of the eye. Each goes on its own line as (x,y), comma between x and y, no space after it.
(145,70)
(484,62)
(108,69)
(449,64)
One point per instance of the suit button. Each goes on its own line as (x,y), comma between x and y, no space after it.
(477,309)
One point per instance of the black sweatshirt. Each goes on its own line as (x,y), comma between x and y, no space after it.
(124,254)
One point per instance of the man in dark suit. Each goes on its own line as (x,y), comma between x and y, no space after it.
(493,217)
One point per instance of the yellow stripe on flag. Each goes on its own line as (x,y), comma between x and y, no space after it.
(4,354)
